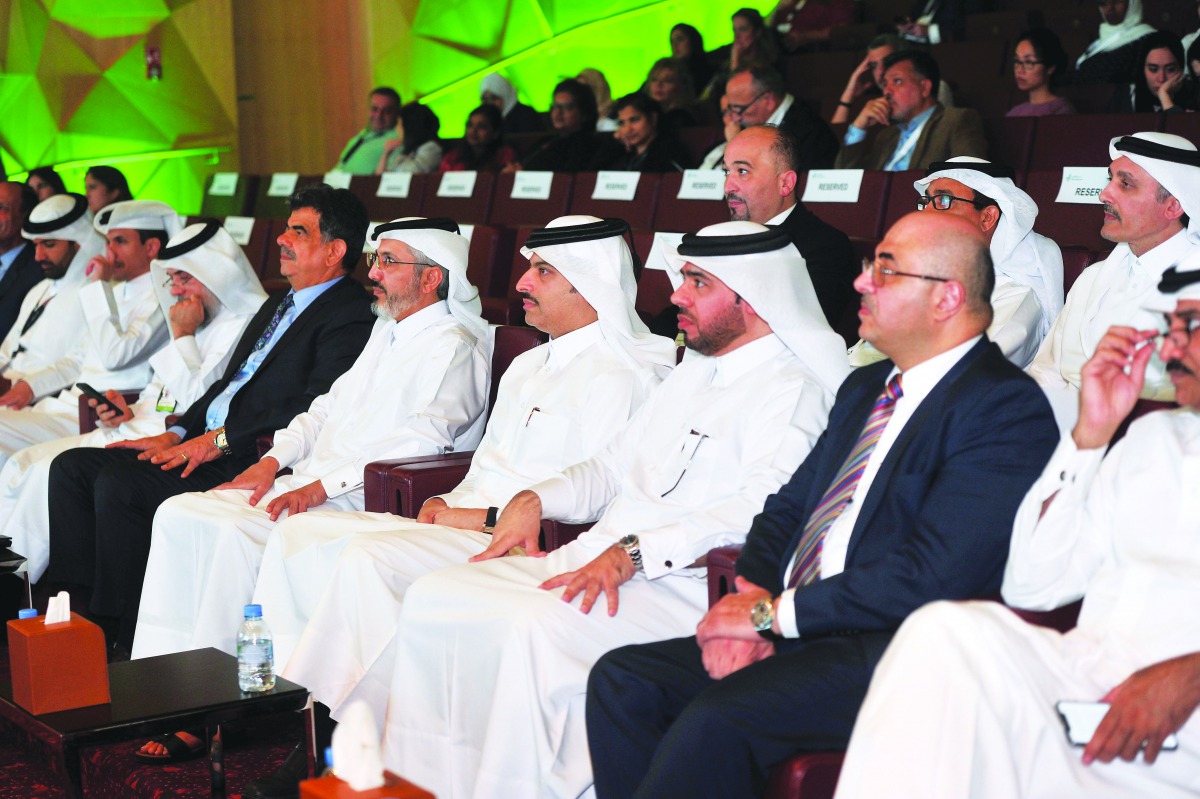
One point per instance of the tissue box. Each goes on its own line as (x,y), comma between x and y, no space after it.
(332,788)
(57,666)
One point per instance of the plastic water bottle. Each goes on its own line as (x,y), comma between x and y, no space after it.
(256,653)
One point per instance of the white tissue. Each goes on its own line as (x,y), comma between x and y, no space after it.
(356,757)
(59,608)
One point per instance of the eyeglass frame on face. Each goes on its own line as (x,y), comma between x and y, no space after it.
(386,262)
(869,265)
(1191,323)
(926,199)
(739,110)
(179,278)
(1025,66)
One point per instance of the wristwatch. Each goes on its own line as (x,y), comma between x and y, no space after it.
(632,548)
(762,616)
(489,524)
(221,441)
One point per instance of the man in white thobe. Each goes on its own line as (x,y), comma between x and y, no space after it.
(1029,268)
(37,352)
(207,292)
(1152,213)
(492,658)
(333,584)
(963,702)
(124,324)
(418,388)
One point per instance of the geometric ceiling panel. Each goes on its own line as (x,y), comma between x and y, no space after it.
(105,20)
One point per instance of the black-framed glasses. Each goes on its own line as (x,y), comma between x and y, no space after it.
(942,202)
(738,110)
(386,261)
(1191,323)
(1027,64)
(878,273)
(177,279)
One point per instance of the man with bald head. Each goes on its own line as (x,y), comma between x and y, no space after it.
(908,497)
(761,165)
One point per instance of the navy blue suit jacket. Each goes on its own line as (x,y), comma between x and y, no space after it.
(23,275)
(937,519)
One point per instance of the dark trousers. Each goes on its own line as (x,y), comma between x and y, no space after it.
(102,504)
(658,725)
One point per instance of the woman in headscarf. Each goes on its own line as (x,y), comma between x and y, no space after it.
(1113,56)
(518,117)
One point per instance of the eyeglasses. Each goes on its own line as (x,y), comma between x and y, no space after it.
(177,279)
(942,202)
(386,262)
(738,110)
(1027,65)
(878,273)
(1180,336)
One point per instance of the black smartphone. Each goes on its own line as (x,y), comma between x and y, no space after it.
(92,393)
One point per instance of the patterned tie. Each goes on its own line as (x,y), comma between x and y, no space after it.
(807,565)
(287,303)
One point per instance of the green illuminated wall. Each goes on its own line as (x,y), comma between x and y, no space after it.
(439,50)
(73,91)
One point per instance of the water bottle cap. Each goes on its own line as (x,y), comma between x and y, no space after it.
(253,611)
(27,613)
(329,757)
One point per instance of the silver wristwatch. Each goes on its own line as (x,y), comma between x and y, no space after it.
(221,441)
(762,616)
(630,544)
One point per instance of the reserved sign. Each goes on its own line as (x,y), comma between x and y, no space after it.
(833,186)
(339,180)
(282,184)
(394,184)
(616,185)
(1082,184)
(702,184)
(240,228)
(532,185)
(457,184)
(224,184)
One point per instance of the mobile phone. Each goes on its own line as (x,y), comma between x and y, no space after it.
(1082,718)
(92,393)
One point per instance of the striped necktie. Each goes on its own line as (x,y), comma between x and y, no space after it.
(806,566)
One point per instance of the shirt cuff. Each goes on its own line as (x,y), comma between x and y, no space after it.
(178,430)
(342,481)
(283,452)
(1069,464)
(190,352)
(786,614)
(854,135)
(557,496)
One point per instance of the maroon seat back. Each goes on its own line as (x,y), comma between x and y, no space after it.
(473,210)
(510,342)
(863,219)
(685,216)
(385,209)
(638,212)
(509,211)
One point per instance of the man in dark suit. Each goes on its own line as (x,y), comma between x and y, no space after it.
(917,130)
(761,164)
(102,502)
(19,270)
(757,96)
(909,496)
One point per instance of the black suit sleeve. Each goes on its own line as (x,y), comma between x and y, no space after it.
(22,275)
(943,526)
(818,147)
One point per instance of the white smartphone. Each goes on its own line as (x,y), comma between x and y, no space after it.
(1082,718)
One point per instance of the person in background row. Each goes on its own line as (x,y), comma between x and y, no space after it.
(103,186)
(687,45)
(799,23)
(757,96)
(1157,87)
(866,81)
(1113,56)
(496,90)
(364,150)
(752,45)
(594,79)
(45,182)
(417,149)
(574,144)
(1039,61)
(482,147)
(649,144)
(936,21)
(670,85)
(1190,39)
(715,157)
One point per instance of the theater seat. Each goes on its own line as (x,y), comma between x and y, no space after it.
(1075,260)
(814,775)
(863,219)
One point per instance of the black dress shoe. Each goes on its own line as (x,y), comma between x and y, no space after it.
(284,783)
